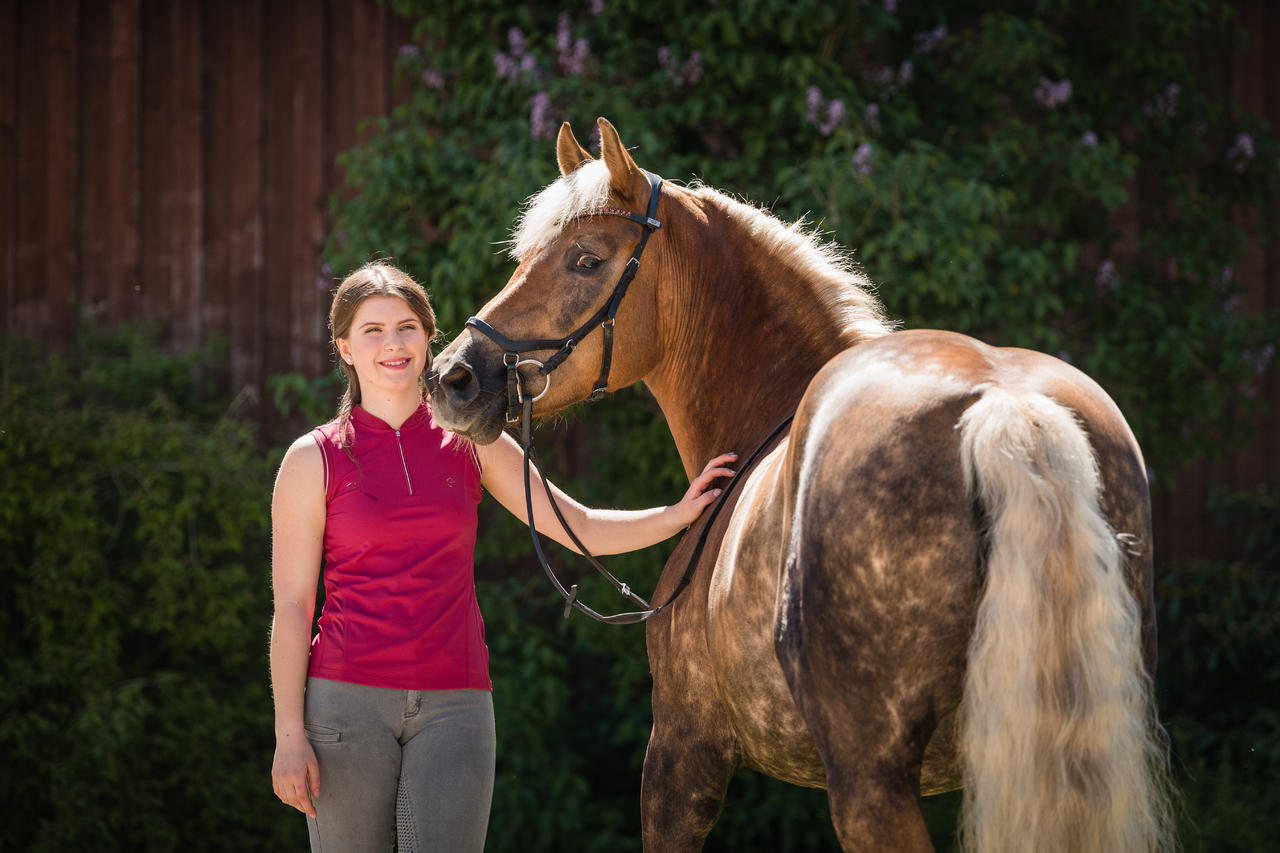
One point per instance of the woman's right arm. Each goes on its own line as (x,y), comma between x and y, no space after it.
(297,539)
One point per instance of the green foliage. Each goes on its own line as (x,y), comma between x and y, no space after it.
(1002,170)
(1219,679)
(1101,223)
(133,567)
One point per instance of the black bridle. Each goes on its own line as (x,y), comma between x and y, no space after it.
(512,351)
(520,411)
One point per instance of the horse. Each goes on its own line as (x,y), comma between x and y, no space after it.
(940,576)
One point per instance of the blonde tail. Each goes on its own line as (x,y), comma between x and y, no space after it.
(1060,744)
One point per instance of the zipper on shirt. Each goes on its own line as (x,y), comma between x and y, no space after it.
(400,447)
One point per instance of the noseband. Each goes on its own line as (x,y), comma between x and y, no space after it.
(520,411)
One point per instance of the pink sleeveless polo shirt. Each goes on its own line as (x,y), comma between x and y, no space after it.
(400,605)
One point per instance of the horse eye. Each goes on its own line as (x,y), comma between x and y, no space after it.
(587,261)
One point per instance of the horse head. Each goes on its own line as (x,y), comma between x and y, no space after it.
(560,331)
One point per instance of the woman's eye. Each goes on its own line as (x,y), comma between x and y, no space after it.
(587,261)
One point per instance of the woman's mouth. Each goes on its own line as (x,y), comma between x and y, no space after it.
(396,364)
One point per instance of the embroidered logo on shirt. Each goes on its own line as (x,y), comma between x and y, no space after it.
(450,482)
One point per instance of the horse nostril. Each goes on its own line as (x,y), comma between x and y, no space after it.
(460,385)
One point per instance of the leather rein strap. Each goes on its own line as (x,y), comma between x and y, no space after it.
(570,595)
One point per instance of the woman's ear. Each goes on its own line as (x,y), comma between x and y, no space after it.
(344,349)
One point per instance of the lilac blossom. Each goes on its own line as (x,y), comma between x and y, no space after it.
(1262,358)
(927,42)
(906,71)
(1163,104)
(1051,94)
(433,79)
(596,7)
(690,72)
(1106,277)
(518,42)
(1241,151)
(541,125)
(871,117)
(862,158)
(891,6)
(827,115)
(1090,139)
(572,54)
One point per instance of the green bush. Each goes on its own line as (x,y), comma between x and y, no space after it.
(134,571)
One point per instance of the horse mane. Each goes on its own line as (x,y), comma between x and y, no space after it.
(823,267)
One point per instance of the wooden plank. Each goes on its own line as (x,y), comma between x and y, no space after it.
(121,150)
(95,121)
(62,173)
(216,26)
(342,116)
(310,302)
(186,187)
(8,156)
(155,236)
(1248,90)
(27,315)
(278,152)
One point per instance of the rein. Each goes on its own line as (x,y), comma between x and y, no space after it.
(570,595)
(520,411)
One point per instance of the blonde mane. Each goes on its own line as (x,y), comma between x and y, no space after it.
(826,269)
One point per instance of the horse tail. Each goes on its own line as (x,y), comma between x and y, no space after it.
(1060,745)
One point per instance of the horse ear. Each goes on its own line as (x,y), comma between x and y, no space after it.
(624,175)
(569,153)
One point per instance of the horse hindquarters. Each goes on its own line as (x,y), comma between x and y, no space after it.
(1061,750)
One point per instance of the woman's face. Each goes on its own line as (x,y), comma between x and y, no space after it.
(387,346)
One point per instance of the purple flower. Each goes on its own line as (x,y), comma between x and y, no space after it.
(572,54)
(813,98)
(871,117)
(506,66)
(891,6)
(409,50)
(827,115)
(906,71)
(519,44)
(693,67)
(1090,139)
(433,79)
(596,7)
(1163,104)
(691,72)
(1262,358)
(928,41)
(1051,94)
(1107,278)
(541,125)
(862,159)
(1241,150)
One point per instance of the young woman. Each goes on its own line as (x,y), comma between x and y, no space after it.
(384,722)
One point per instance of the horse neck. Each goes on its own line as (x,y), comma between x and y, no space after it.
(742,336)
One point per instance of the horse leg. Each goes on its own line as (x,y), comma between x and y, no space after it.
(682,790)
(874,614)
(687,769)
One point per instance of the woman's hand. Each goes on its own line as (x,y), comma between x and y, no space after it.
(295,774)
(700,494)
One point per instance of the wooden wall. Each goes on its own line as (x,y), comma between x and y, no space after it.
(171,160)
